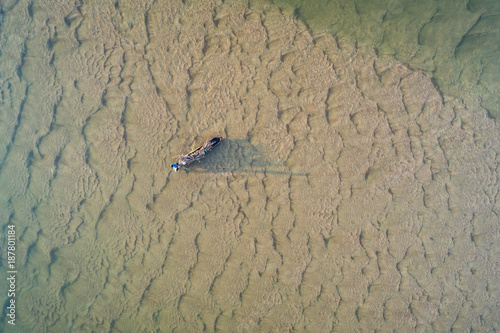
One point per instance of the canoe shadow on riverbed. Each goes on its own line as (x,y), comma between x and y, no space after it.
(239,156)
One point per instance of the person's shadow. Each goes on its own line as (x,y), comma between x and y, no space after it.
(238,156)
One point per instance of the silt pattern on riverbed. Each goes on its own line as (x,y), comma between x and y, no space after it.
(349,193)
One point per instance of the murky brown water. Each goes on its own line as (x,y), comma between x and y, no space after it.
(348,194)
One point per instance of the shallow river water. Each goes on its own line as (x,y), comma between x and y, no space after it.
(356,188)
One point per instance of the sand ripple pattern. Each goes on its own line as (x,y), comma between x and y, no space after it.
(349,194)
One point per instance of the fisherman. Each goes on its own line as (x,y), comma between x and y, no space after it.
(196,154)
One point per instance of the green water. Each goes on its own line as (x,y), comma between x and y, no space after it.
(356,187)
(454,42)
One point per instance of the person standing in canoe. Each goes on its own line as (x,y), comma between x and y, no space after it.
(195,155)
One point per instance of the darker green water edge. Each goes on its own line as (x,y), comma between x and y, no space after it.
(456,43)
